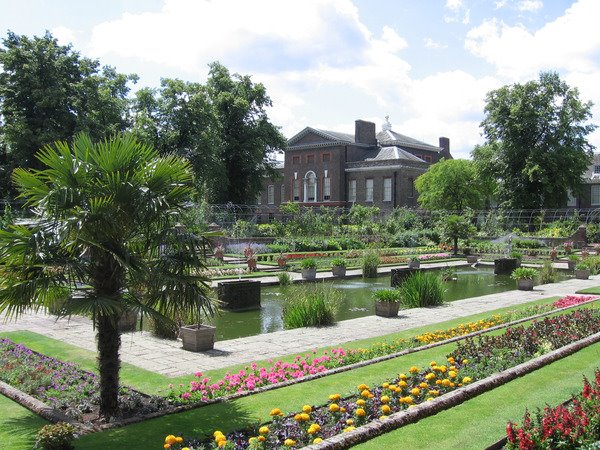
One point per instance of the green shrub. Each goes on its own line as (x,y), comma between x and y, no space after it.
(284,278)
(593,263)
(56,436)
(422,289)
(308,263)
(310,306)
(517,255)
(524,273)
(338,262)
(548,273)
(387,295)
(408,238)
(370,263)
(527,243)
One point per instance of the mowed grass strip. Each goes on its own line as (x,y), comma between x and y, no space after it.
(481,421)
(154,383)
(18,425)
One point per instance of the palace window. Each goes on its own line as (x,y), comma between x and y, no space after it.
(296,190)
(326,188)
(270,194)
(387,189)
(595,194)
(369,190)
(310,187)
(352,191)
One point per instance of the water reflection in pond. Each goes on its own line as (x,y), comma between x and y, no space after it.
(356,300)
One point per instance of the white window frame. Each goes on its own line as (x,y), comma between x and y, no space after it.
(387,189)
(595,194)
(310,187)
(369,190)
(352,191)
(271,194)
(282,193)
(296,190)
(596,168)
(571,199)
(326,188)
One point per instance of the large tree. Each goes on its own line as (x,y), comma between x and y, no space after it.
(536,136)
(107,218)
(450,184)
(247,139)
(178,118)
(48,92)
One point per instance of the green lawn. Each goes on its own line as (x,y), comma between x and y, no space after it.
(481,421)
(18,425)
(595,290)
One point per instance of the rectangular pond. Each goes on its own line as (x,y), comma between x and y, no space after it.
(357,300)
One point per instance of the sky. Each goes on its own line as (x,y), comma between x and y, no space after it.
(426,64)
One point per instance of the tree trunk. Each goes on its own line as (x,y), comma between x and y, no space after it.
(455,246)
(109,342)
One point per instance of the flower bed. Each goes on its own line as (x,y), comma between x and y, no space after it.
(64,386)
(564,426)
(338,415)
(203,389)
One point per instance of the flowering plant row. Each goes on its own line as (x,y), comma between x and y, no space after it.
(340,414)
(571,426)
(489,355)
(203,389)
(62,385)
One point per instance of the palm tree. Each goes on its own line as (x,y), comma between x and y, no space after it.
(105,241)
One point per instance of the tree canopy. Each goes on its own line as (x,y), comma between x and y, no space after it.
(48,92)
(451,184)
(536,142)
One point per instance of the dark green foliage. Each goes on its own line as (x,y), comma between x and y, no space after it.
(548,273)
(422,289)
(56,436)
(537,146)
(456,227)
(527,243)
(370,263)
(388,295)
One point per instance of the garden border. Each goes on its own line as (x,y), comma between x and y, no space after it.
(48,412)
(448,400)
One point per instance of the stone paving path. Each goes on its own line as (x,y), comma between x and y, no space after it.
(168,358)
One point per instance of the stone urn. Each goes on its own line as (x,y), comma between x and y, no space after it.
(387,309)
(582,274)
(525,284)
(197,338)
(471,259)
(414,264)
(338,271)
(309,273)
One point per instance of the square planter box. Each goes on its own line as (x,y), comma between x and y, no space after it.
(309,274)
(414,264)
(525,285)
(197,338)
(472,259)
(338,271)
(240,295)
(387,309)
(505,266)
(582,274)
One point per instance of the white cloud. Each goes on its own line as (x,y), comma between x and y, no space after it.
(454,4)
(64,35)
(430,43)
(530,5)
(458,12)
(566,44)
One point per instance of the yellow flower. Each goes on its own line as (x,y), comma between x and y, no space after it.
(334,407)
(438,382)
(430,376)
(361,402)
(383,417)
(423,385)
(402,384)
(386,409)
(342,409)
(362,387)
(466,380)
(349,422)
(263,430)
(222,443)
(414,369)
(452,374)
(302,417)
(262,438)
(334,397)
(167,446)
(170,439)
(392,387)
(434,392)
(365,393)
(307,409)
(443,369)
(429,399)
(217,433)
(408,400)
(289,442)
(433,363)
(465,361)
(415,391)
(402,376)
(314,428)
(276,412)
(185,448)
(385,385)
(385,399)
(252,440)
(446,382)
(451,360)
(360,412)
(317,441)
(348,429)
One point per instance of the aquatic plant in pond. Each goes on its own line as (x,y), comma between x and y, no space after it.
(310,306)
(422,289)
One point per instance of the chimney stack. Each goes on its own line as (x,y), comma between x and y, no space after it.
(364,132)
(445,145)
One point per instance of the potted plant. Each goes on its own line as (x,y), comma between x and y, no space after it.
(338,267)
(281,261)
(219,252)
(309,268)
(387,302)
(200,337)
(572,261)
(568,247)
(518,256)
(553,254)
(414,262)
(582,271)
(524,277)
